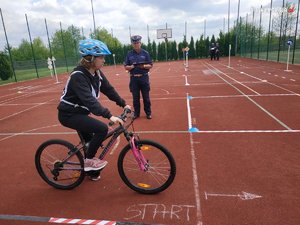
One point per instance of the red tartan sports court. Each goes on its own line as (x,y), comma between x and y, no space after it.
(234,129)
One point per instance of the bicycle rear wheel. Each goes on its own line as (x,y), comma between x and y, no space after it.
(161,168)
(49,162)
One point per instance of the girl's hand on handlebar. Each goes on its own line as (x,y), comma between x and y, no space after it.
(116,119)
(127,107)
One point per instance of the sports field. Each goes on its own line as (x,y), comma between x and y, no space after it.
(232,126)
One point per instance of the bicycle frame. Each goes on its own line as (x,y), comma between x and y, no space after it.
(130,137)
(61,164)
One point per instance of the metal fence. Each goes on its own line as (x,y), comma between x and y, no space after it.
(262,33)
(270,33)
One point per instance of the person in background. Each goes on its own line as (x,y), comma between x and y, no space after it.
(212,51)
(80,99)
(217,51)
(138,62)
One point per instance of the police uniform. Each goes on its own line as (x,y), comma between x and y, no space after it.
(213,52)
(139,78)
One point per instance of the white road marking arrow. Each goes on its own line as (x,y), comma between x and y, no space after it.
(243,196)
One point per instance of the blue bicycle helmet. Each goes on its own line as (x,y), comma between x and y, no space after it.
(93,47)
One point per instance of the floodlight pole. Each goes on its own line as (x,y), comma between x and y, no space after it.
(93,17)
(228,16)
(8,47)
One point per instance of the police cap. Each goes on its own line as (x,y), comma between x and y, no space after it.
(136,38)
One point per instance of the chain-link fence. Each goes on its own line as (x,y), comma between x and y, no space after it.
(270,33)
(262,33)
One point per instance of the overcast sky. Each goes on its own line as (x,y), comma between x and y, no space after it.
(122,17)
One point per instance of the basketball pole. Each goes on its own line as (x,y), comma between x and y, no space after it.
(166,39)
(165,34)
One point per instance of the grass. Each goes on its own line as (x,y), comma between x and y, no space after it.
(29,74)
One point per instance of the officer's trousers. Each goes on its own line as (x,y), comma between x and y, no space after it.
(139,85)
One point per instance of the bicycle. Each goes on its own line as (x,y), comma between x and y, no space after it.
(145,166)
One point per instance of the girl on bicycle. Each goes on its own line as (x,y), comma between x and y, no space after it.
(80,99)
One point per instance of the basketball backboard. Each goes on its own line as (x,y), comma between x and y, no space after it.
(164,33)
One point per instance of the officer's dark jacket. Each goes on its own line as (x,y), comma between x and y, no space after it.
(81,93)
(136,59)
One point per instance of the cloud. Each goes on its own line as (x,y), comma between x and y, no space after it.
(122,17)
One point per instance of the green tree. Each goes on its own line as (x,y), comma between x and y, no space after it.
(112,43)
(192,51)
(40,50)
(222,43)
(23,52)
(174,52)
(5,68)
(154,51)
(200,48)
(63,44)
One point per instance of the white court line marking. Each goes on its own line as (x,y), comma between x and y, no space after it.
(28,133)
(254,102)
(186,81)
(216,71)
(15,98)
(275,85)
(17,113)
(195,181)
(167,92)
(20,104)
(47,90)
(188,111)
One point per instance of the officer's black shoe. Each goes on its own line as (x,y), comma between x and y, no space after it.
(136,116)
(149,117)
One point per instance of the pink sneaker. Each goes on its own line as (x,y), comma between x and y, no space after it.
(94,164)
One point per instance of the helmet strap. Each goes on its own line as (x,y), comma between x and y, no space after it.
(90,61)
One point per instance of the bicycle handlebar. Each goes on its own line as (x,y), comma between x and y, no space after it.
(123,116)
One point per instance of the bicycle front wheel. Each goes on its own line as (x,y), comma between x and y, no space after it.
(58,165)
(160,172)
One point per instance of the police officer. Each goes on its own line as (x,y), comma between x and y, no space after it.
(213,52)
(138,62)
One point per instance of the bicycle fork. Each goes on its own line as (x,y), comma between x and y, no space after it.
(138,155)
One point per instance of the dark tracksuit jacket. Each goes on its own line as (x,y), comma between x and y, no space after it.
(79,99)
(81,93)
